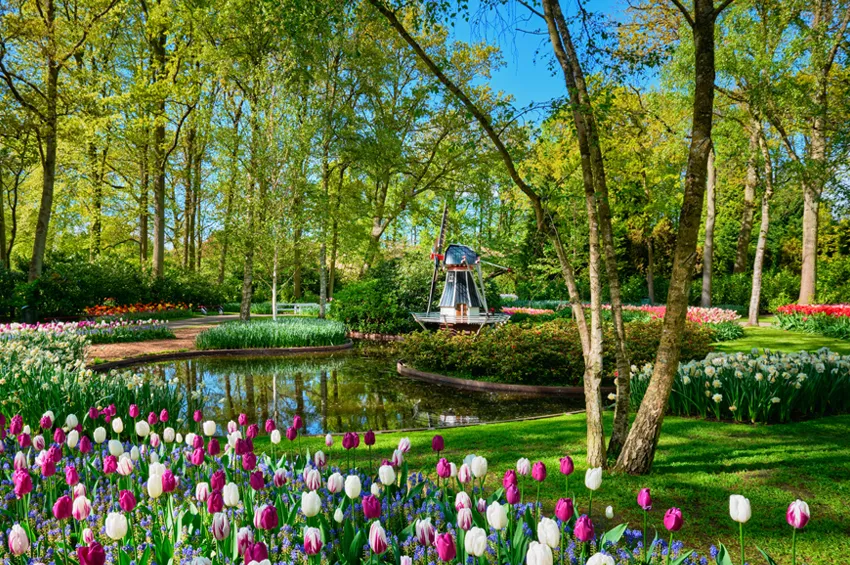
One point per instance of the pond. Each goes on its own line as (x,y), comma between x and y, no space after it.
(344,392)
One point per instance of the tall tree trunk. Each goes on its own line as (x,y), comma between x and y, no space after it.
(758,265)
(97,167)
(4,257)
(189,203)
(335,234)
(742,252)
(708,246)
(48,162)
(158,49)
(296,261)
(144,178)
(650,269)
(198,198)
(275,262)
(639,450)
(225,236)
(248,269)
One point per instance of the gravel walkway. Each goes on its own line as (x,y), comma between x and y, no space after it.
(114,351)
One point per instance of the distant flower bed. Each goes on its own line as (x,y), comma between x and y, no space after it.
(831,320)
(285,332)
(530,311)
(768,387)
(159,310)
(42,367)
(696,314)
(104,331)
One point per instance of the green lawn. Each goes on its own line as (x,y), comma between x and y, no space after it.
(781,340)
(698,465)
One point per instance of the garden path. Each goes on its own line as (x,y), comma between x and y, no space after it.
(185,341)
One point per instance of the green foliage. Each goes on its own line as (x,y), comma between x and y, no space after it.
(543,354)
(285,332)
(726,331)
(817,324)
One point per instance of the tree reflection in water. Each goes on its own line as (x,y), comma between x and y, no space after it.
(363,393)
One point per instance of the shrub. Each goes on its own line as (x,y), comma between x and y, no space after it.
(285,332)
(726,331)
(542,354)
(769,387)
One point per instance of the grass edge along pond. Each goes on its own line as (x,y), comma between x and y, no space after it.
(699,464)
(284,332)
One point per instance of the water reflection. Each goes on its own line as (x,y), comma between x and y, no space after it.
(341,393)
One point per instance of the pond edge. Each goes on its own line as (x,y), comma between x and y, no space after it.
(485,386)
(258,352)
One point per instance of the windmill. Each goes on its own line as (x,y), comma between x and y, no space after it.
(463,303)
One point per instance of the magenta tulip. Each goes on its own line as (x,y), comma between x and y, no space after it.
(62,507)
(444,468)
(152,418)
(268,517)
(509,478)
(110,464)
(48,468)
(538,471)
(371,507)
(564,510)
(163,416)
(446,546)
(127,501)
(217,480)
(583,529)
(198,416)
(197,456)
(242,419)
(673,520)
(71,476)
(134,411)
(644,500)
(257,481)
(197,442)
(312,541)
(567,466)
(256,552)
(16,425)
(438,444)
(297,422)
(58,436)
(84,445)
(249,461)
(91,554)
(512,494)
(252,431)
(215,502)
(213,447)
(169,483)
(369,438)
(270,426)
(798,514)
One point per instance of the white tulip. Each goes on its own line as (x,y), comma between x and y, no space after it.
(156,468)
(155,486)
(523,466)
(538,554)
(168,435)
(233,438)
(116,448)
(190,439)
(335,483)
(230,493)
(73,439)
(600,559)
(479,467)
(201,561)
(275,437)
(739,508)
(71,421)
(310,503)
(100,435)
(178,438)
(593,478)
(453,469)
(142,429)
(497,517)
(338,516)
(116,526)
(376,490)
(404,445)
(548,532)
(117,425)
(209,428)
(134,453)
(609,512)
(387,475)
(154,457)
(475,542)
(125,465)
(352,486)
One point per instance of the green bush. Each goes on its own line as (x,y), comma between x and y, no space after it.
(815,323)
(542,354)
(285,332)
(726,331)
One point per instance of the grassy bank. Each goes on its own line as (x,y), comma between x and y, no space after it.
(698,465)
(778,339)
(285,332)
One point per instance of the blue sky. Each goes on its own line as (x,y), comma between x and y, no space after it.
(526,75)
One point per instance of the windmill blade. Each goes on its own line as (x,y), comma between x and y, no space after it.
(436,254)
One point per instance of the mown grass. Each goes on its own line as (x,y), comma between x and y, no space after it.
(697,466)
(777,339)
(285,332)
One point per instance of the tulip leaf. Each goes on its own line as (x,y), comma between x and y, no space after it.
(356,547)
(613,535)
(770,560)
(682,558)
(413,492)
(723,556)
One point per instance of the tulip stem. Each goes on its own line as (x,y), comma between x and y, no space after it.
(644,536)
(590,506)
(537,504)
(794,547)
(741,530)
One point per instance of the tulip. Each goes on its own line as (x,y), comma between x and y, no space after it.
(249,461)
(329,440)
(124,466)
(335,483)
(48,468)
(369,438)
(673,520)
(169,482)
(155,486)
(20,462)
(100,435)
(217,480)
(567,466)
(85,445)
(512,494)
(609,512)
(444,470)
(397,459)
(311,504)
(244,542)
(739,509)
(19,543)
(46,421)
(464,474)
(644,499)
(592,480)
(312,541)
(291,433)
(72,439)
(377,538)
(215,502)
(338,516)
(464,519)
(142,429)
(275,437)
(116,526)
(313,479)
(538,554)
(462,500)
(438,444)
(406,560)
(479,467)
(127,501)
(22,482)
(797,517)
(600,559)
(475,542)
(523,466)
(352,486)
(116,448)
(268,517)
(481,505)
(117,425)
(88,536)
(564,509)
(91,554)
(538,472)
(37,442)
(71,421)
(71,476)
(446,547)
(155,440)
(497,517)
(62,508)
(220,526)
(404,445)
(376,489)
(548,532)
(319,459)
(79,490)
(213,447)
(509,479)
(135,453)
(202,491)
(163,416)
(257,481)
(583,529)
(58,436)
(252,431)
(231,495)
(168,435)
(209,428)
(371,507)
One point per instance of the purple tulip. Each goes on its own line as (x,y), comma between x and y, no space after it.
(446,547)
(252,431)
(198,416)
(371,507)
(197,442)
(583,529)
(217,480)
(241,447)
(270,426)
(256,552)
(644,500)
(249,461)
(673,520)
(62,507)
(16,426)
(291,433)
(257,481)
(512,494)
(369,438)
(268,517)
(213,447)
(509,478)
(126,501)
(91,554)
(215,502)
(538,472)
(71,476)
(444,468)
(297,422)
(437,443)
(567,466)
(94,413)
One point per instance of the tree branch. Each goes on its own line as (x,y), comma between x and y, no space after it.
(684,11)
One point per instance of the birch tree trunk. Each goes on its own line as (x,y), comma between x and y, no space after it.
(708,245)
(158,49)
(758,265)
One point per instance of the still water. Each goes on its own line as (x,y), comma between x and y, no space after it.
(348,391)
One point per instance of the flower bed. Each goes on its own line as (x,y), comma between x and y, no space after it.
(41,368)
(529,311)
(103,331)
(185,496)
(285,332)
(831,320)
(768,387)
(160,310)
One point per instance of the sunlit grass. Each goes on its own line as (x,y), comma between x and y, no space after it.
(285,332)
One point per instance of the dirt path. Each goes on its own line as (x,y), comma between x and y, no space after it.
(114,351)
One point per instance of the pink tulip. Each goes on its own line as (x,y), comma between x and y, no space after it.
(644,500)
(371,507)
(127,501)
(45,423)
(16,425)
(257,552)
(509,478)
(564,510)
(85,445)
(673,520)
(270,426)
(197,442)
(62,507)
(19,543)
(58,436)
(197,456)
(567,466)
(446,547)
(242,419)
(538,472)
(134,411)
(25,441)
(91,554)
(110,464)
(94,413)
(198,416)
(312,541)
(217,480)
(583,529)
(252,431)
(48,468)
(71,476)
(297,422)
(444,469)
(152,419)
(169,483)
(512,494)
(163,416)
(798,514)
